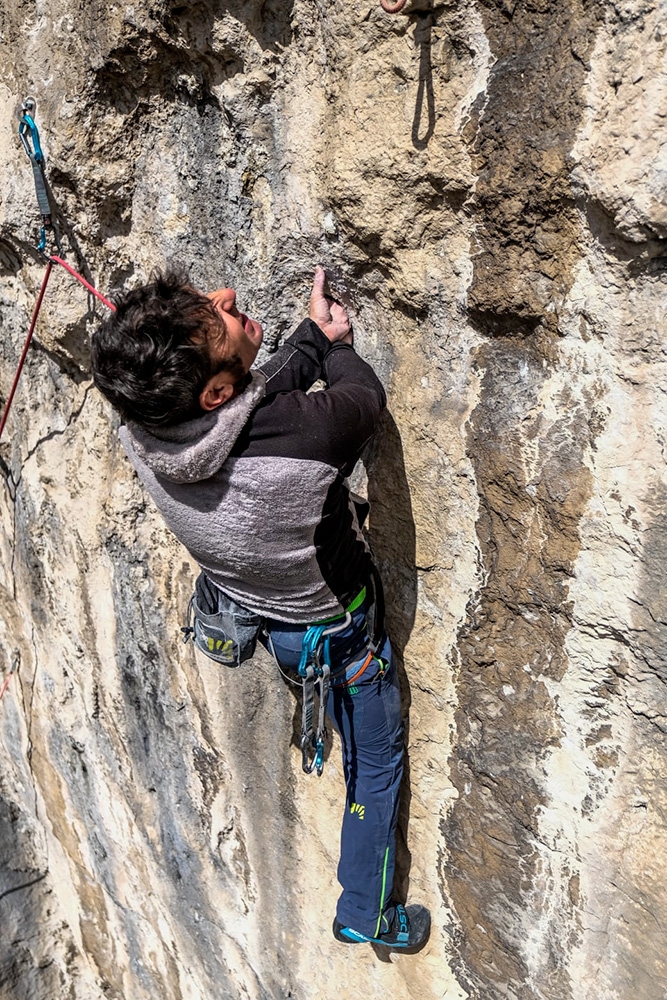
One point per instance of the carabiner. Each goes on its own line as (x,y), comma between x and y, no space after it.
(318,759)
(28,126)
(308,765)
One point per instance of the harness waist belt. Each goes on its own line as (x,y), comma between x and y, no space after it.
(352,606)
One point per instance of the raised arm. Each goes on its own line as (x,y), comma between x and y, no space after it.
(300,360)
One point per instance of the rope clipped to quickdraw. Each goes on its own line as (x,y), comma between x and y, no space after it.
(393,8)
(30,135)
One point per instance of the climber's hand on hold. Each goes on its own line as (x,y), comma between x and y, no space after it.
(330,315)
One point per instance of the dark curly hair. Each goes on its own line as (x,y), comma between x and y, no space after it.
(151,357)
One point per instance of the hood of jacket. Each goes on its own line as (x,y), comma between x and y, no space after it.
(195,449)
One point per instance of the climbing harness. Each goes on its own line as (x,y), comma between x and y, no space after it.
(30,138)
(227,632)
(393,8)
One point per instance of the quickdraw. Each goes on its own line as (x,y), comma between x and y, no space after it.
(315,668)
(29,135)
(393,8)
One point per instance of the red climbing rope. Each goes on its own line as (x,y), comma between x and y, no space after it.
(393,8)
(33,323)
(24,352)
(79,277)
(29,135)
(12,670)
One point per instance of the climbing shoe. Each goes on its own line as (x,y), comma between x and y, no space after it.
(406,929)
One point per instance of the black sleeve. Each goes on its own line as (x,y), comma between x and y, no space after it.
(298,362)
(332,426)
(351,405)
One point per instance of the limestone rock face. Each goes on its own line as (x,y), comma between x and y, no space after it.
(486,181)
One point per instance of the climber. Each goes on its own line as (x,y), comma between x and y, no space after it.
(249,472)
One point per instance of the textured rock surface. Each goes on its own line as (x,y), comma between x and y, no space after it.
(487,183)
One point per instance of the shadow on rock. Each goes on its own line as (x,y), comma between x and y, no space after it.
(425,89)
(392,539)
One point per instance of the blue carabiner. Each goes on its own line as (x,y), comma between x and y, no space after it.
(29,128)
(309,647)
(318,760)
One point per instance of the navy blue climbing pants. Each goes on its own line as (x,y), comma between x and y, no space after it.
(367,717)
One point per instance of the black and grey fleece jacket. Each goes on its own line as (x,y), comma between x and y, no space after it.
(256,490)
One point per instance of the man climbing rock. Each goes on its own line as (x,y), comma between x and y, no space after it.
(249,472)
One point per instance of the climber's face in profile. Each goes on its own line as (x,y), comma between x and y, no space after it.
(243,335)
(237,344)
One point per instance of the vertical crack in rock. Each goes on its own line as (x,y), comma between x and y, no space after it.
(651,608)
(58,431)
(533,488)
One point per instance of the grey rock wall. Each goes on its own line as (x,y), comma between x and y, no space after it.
(486,182)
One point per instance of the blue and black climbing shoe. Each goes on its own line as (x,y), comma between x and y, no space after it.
(402,927)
